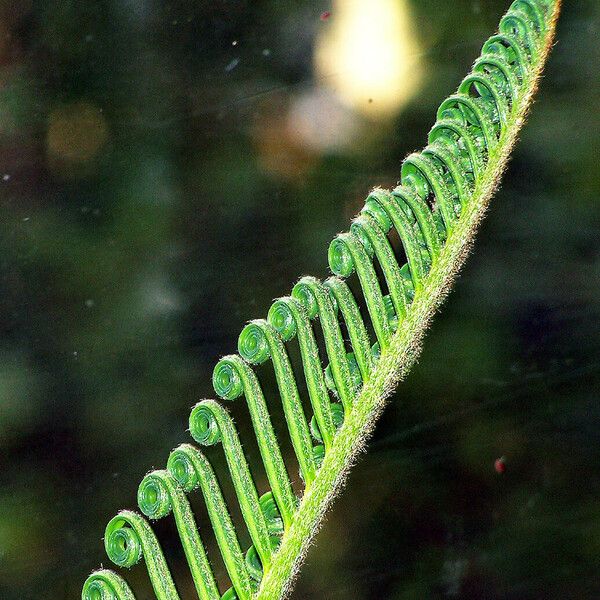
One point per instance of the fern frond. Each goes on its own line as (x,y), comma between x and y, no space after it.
(443,195)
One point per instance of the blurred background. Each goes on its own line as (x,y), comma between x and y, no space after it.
(167,168)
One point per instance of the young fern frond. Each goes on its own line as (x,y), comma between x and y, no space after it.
(443,195)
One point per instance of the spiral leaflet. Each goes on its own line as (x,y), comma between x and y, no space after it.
(106,585)
(128,538)
(158,496)
(191,469)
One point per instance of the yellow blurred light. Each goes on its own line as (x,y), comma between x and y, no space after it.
(368,54)
(76,133)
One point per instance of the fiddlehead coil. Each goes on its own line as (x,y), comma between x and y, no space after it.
(232,377)
(158,495)
(106,585)
(209,424)
(191,469)
(127,539)
(258,342)
(435,191)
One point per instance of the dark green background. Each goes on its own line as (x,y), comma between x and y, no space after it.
(124,276)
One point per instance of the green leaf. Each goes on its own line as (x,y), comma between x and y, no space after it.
(436,209)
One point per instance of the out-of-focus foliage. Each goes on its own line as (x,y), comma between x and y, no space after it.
(168,168)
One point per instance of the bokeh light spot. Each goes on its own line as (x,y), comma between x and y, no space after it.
(76,133)
(370,56)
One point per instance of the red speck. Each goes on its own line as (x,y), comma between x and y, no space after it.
(500,465)
(325,15)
